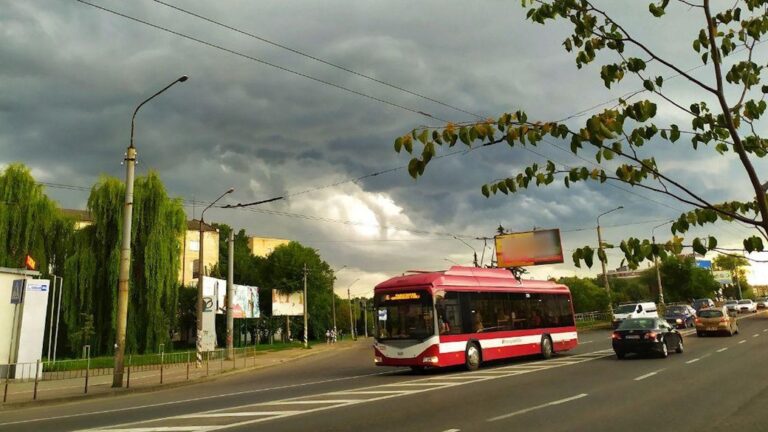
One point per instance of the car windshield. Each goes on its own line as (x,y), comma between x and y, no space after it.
(745,301)
(672,310)
(404,315)
(625,309)
(710,313)
(638,323)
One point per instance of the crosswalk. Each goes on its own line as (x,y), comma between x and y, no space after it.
(272,410)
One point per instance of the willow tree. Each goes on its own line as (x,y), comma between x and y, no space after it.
(30,223)
(91,274)
(724,110)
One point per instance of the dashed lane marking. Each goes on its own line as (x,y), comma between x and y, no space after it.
(722,349)
(331,400)
(743,341)
(693,361)
(756,335)
(527,410)
(648,375)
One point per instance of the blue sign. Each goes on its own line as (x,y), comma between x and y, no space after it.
(705,264)
(17,291)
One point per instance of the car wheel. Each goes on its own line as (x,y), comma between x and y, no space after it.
(546,348)
(664,350)
(620,355)
(473,357)
(679,348)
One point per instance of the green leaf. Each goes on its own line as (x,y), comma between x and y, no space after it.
(712,243)
(699,247)
(423,136)
(485,190)
(464,135)
(413,168)
(656,10)
(398,144)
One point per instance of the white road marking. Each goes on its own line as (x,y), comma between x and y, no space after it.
(452,430)
(756,335)
(722,349)
(582,359)
(183,401)
(648,375)
(354,392)
(584,343)
(742,341)
(693,361)
(161,429)
(241,414)
(548,404)
(765,330)
(308,402)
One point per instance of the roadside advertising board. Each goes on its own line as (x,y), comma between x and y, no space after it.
(287,304)
(529,248)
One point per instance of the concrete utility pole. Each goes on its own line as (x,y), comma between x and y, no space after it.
(351,322)
(365,317)
(125,248)
(333,298)
(600,247)
(200,273)
(230,288)
(655,264)
(306,326)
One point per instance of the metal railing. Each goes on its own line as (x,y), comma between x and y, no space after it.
(592,316)
(216,361)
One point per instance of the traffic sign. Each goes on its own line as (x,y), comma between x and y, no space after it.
(17,291)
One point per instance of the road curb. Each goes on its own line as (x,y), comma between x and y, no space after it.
(172,385)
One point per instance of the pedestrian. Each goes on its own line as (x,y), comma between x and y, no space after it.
(333,336)
(327,336)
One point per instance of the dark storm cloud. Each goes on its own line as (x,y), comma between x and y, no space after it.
(71,75)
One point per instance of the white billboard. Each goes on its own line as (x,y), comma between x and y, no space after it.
(245,302)
(245,299)
(287,303)
(722,276)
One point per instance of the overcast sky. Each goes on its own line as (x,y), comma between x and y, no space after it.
(71,76)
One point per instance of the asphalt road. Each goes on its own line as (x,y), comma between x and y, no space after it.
(718,383)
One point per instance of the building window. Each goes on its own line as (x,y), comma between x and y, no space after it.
(194,245)
(195,269)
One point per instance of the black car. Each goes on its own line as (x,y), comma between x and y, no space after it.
(703,303)
(680,316)
(646,336)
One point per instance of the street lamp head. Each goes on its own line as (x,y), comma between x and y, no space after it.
(619,207)
(230,190)
(183,78)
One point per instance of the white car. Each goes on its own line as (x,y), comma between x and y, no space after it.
(746,306)
(762,303)
(732,305)
(634,310)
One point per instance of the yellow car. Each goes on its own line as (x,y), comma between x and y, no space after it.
(716,320)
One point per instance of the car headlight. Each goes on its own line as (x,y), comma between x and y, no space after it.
(679,321)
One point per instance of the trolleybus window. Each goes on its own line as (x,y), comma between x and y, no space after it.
(404,315)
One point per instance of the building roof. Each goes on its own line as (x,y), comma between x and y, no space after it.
(194,225)
(78,215)
(467,279)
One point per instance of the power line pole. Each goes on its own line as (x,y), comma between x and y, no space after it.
(602,262)
(125,249)
(306,341)
(230,289)
(365,317)
(351,323)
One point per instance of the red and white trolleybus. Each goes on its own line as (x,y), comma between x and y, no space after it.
(468,315)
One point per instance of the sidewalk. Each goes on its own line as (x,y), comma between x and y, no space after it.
(169,375)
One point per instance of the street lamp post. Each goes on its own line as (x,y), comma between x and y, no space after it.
(333,299)
(125,248)
(600,248)
(349,298)
(655,263)
(200,271)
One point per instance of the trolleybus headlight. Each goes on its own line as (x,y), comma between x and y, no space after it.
(377,359)
(432,359)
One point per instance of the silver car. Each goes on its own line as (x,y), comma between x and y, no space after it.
(732,305)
